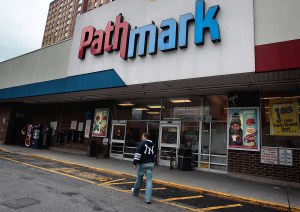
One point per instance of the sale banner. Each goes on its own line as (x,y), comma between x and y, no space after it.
(284,117)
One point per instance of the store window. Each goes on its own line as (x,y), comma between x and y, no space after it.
(280,119)
(189,137)
(144,109)
(182,108)
(195,108)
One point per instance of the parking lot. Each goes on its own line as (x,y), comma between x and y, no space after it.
(192,199)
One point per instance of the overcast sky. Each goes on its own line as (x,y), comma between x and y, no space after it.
(22,24)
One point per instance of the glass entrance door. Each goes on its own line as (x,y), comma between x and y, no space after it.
(169,137)
(213,148)
(117,139)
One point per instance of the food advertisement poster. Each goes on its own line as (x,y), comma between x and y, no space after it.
(284,118)
(243,129)
(100,122)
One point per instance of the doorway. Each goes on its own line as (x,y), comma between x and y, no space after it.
(126,136)
(169,141)
(117,139)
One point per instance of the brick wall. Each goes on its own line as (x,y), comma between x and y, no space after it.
(248,163)
(4,120)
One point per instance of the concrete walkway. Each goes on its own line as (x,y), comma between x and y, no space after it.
(257,191)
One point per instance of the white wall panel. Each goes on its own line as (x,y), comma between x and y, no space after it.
(276,21)
(38,66)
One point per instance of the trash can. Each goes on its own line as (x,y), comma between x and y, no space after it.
(92,149)
(102,149)
(185,159)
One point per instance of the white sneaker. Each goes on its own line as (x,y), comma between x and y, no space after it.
(133,193)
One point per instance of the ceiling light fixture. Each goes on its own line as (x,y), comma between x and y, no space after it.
(180,100)
(153,113)
(125,104)
(141,108)
(155,106)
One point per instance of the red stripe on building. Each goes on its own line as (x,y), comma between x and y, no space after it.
(277,56)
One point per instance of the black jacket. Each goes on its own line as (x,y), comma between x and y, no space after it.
(145,153)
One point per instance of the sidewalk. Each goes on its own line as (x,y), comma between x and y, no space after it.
(198,179)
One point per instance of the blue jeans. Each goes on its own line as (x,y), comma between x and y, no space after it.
(144,169)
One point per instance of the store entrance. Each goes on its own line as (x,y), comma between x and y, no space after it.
(169,141)
(213,147)
(117,139)
(127,134)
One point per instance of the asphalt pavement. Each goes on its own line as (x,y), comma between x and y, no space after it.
(276,193)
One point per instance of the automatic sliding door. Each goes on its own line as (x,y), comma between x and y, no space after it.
(169,142)
(134,130)
(213,152)
(218,150)
(205,146)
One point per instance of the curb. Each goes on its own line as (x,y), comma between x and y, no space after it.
(274,205)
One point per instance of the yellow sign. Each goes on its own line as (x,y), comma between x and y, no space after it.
(284,117)
(204,165)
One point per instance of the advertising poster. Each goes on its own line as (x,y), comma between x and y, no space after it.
(87,128)
(100,122)
(80,126)
(73,125)
(243,129)
(53,126)
(284,118)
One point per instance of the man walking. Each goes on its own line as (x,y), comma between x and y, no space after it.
(144,157)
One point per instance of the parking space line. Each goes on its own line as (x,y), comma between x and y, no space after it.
(43,163)
(220,207)
(113,181)
(182,198)
(121,183)
(62,169)
(22,158)
(38,167)
(179,206)
(143,189)
(114,188)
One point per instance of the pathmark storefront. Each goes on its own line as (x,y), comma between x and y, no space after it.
(214,82)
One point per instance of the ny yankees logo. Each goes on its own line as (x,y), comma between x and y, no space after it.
(149,150)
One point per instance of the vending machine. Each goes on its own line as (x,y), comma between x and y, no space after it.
(28,136)
(36,135)
(45,139)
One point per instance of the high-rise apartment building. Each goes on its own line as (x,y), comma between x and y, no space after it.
(88,5)
(62,17)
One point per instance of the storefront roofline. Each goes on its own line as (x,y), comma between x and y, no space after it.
(97,80)
(265,82)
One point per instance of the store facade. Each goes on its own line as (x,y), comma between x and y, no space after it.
(209,76)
